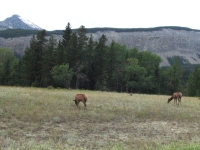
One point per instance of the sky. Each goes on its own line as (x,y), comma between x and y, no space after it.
(55,14)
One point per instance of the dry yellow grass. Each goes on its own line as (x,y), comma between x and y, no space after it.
(36,118)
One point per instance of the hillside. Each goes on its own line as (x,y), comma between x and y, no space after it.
(166,42)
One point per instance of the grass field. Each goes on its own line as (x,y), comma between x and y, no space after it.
(47,119)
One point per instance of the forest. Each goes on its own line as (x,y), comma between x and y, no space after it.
(78,62)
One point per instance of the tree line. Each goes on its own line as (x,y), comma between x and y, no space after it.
(12,33)
(77,61)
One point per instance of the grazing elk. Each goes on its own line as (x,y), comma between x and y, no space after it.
(80,98)
(176,96)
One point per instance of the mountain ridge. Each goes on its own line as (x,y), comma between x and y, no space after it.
(17,22)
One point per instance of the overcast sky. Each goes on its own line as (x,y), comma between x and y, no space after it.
(55,14)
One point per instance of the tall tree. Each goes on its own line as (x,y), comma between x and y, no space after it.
(73,51)
(170,78)
(64,48)
(82,39)
(32,60)
(175,75)
(120,64)
(66,35)
(39,51)
(48,62)
(29,63)
(80,60)
(193,88)
(100,62)
(59,54)
(90,73)
(111,65)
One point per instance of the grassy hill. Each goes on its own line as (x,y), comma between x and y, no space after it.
(36,118)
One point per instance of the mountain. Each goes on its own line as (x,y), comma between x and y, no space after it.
(167,42)
(17,22)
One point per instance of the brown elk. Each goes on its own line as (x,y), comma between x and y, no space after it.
(176,96)
(80,98)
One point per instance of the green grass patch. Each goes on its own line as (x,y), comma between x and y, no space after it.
(47,118)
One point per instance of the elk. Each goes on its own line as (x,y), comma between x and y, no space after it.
(80,98)
(176,96)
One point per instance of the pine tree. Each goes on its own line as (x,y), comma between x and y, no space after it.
(111,65)
(66,35)
(64,48)
(48,62)
(73,51)
(81,52)
(90,73)
(59,54)
(193,88)
(29,63)
(32,60)
(175,75)
(100,62)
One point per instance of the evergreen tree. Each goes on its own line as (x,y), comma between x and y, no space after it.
(120,64)
(175,75)
(170,78)
(48,62)
(80,60)
(32,60)
(193,88)
(164,86)
(73,51)
(90,73)
(39,51)
(82,40)
(19,74)
(64,48)
(59,54)
(29,63)
(100,62)
(111,65)
(66,35)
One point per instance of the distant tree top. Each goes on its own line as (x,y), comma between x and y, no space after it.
(93,30)
(11,33)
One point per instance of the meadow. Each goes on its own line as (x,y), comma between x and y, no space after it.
(48,119)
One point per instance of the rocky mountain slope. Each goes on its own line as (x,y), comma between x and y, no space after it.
(17,22)
(166,42)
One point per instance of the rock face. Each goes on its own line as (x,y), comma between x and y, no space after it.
(166,43)
(18,44)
